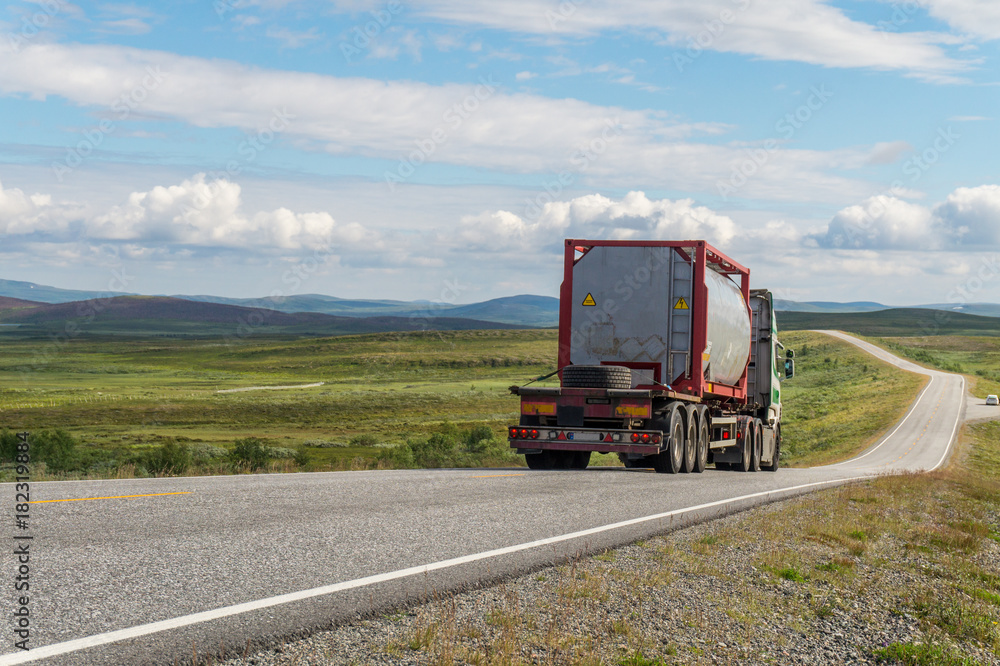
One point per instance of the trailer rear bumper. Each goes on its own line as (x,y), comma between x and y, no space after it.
(533,439)
(534,447)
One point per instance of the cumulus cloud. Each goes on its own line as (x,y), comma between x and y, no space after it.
(595,216)
(209,213)
(970,216)
(22,214)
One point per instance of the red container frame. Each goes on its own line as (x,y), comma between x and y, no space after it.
(701,255)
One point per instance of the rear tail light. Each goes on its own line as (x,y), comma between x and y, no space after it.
(635,438)
(513,433)
(645,438)
(534,434)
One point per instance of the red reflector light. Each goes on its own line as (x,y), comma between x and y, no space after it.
(725,434)
(513,433)
(524,433)
(534,434)
(656,439)
(739,435)
(635,438)
(645,438)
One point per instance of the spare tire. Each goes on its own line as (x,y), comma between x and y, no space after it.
(597,376)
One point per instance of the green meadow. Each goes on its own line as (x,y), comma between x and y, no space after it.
(171,406)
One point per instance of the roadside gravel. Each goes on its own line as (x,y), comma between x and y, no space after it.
(788,583)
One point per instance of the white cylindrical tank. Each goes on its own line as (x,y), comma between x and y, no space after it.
(728,345)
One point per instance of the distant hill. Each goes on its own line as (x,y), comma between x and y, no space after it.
(6,303)
(984,309)
(828,306)
(522,310)
(40,293)
(165,316)
(525,310)
(894,322)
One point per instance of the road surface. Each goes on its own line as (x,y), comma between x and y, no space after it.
(154,570)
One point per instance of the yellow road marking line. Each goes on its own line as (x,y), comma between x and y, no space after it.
(493,476)
(87,499)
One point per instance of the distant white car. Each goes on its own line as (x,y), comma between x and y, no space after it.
(992,400)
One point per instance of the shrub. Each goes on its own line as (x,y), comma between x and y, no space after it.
(202,454)
(8,446)
(250,452)
(280,452)
(301,457)
(364,440)
(56,448)
(169,458)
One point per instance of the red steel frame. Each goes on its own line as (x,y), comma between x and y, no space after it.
(703,254)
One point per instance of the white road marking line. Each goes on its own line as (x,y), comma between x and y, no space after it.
(954,429)
(96,640)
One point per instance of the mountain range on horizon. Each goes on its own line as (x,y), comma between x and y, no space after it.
(521,310)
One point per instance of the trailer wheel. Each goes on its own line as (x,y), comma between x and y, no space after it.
(670,460)
(580,460)
(690,440)
(701,457)
(758,445)
(745,464)
(597,376)
(541,460)
(773,467)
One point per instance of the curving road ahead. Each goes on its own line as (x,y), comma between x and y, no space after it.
(153,571)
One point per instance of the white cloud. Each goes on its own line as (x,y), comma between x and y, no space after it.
(128,26)
(975,17)
(525,76)
(970,216)
(888,152)
(209,213)
(478,124)
(22,214)
(882,222)
(809,31)
(594,216)
(292,39)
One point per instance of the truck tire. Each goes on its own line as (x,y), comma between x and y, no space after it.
(597,376)
(758,446)
(669,460)
(690,439)
(701,457)
(541,460)
(773,467)
(747,449)
(580,460)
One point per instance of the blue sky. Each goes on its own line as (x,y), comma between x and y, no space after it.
(441,149)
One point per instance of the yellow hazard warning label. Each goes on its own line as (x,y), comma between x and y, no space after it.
(681,304)
(589,300)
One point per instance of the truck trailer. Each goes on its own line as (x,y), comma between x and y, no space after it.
(666,358)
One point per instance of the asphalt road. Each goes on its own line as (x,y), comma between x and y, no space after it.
(232,561)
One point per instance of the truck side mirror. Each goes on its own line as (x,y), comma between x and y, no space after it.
(789,368)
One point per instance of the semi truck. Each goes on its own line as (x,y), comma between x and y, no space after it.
(666,358)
